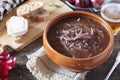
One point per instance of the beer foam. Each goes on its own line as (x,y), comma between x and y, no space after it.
(111,12)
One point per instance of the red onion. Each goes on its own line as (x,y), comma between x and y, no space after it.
(6,64)
(97,3)
(77,3)
(86,3)
(81,3)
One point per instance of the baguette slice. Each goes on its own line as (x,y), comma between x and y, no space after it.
(53,5)
(41,17)
(30,8)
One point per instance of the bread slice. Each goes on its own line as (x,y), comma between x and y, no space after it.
(41,17)
(53,5)
(30,8)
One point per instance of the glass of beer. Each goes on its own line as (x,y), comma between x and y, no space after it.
(110,11)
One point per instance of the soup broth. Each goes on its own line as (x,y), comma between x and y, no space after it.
(78,37)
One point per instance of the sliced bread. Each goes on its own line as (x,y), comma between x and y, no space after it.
(53,5)
(30,9)
(41,17)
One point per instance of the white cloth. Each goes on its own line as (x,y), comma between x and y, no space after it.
(43,68)
(7,5)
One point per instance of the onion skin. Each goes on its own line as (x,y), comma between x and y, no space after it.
(77,3)
(6,64)
(82,3)
(97,3)
(86,3)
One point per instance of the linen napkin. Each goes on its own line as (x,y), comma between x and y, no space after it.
(7,5)
(43,68)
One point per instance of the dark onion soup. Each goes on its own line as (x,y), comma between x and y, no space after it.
(78,37)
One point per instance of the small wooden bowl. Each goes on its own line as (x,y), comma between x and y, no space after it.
(78,64)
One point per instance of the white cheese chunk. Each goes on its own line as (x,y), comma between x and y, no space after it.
(17,26)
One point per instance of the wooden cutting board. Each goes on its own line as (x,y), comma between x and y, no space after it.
(35,29)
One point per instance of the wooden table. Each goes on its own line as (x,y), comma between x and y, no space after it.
(20,72)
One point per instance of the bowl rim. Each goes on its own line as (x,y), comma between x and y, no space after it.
(111,41)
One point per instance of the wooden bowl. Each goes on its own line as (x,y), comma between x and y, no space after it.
(78,64)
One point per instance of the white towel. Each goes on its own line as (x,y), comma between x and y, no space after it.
(43,68)
(8,5)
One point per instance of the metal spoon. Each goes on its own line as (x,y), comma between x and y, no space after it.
(114,66)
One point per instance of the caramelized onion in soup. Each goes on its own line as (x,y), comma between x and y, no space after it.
(78,37)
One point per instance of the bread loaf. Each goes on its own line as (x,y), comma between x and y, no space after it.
(30,9)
